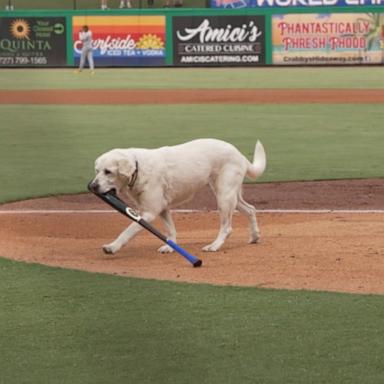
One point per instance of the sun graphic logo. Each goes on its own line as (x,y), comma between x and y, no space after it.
(20,29)
(150,41)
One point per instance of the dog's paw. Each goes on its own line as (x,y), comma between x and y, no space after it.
(255,237)
(165,249)
(211,248)
(110,249)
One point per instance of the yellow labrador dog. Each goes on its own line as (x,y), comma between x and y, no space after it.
(163,178)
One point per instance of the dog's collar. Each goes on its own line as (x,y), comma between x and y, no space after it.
(134,176)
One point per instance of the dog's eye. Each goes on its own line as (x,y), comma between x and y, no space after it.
(107,172)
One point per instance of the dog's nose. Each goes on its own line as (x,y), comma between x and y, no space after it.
(93,186)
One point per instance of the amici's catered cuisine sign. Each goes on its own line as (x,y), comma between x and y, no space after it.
(32,41)
(219,40)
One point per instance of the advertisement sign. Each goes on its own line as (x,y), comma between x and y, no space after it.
(123,40)
(219,40)
(232,4)
(331,39)
(32,41)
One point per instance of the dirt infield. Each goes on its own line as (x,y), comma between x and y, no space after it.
(340,251)
(190,96)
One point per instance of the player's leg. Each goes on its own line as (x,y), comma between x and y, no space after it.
(90,60)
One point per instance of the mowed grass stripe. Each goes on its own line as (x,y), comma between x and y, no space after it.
(199,78)
(51,149)
(67,326)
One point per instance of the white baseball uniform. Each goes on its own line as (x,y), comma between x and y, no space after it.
(86,52)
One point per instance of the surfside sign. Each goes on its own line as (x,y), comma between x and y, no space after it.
(219,41)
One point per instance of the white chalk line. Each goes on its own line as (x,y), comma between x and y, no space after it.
(105,211)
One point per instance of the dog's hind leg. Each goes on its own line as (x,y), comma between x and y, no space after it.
(226,211)
(169,225)
(250,211)
(226,195)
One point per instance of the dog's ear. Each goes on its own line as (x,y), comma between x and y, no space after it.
(126,167)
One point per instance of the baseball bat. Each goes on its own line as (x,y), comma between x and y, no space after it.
(121,207)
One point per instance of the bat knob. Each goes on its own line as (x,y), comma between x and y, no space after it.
(197,263)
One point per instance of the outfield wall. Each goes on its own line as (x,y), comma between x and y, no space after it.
(189,37)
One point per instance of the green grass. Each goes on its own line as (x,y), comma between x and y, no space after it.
(163,78)
(51,149)
(60,326)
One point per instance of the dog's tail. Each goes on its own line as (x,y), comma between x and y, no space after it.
(257,167)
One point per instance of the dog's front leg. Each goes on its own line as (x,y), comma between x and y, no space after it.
(170,228)
(127,235)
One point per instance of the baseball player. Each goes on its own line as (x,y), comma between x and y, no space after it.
(85,36)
